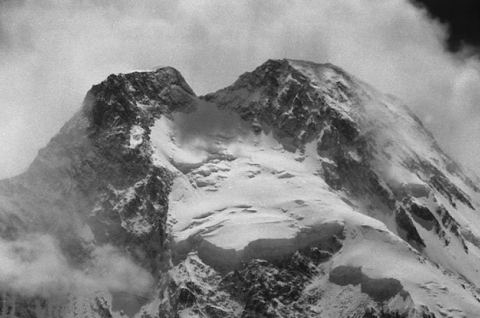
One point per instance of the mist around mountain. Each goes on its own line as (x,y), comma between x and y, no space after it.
(298,191)
(46,68)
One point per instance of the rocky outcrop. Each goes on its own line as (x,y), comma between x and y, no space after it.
(277,95)
(257,289)
(92,176)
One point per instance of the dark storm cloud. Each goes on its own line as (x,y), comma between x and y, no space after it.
(58,49)
(462,17)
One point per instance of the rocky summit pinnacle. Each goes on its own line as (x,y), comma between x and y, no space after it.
(297,191)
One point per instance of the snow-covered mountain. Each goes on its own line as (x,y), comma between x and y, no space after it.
(298,191)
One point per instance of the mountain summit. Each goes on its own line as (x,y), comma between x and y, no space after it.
(298,191)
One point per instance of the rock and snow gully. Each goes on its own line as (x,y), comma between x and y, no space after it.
(298,191)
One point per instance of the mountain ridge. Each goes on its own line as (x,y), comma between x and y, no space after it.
(278,196)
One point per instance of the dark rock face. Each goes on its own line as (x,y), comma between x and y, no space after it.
(104,166)
(193,286)
(261,284)
(90,173)
(259,288)
(407,230)
(149,198)
(439,181)
(278,96)
(125,100)
(440,222)
(287,103)
(423,213)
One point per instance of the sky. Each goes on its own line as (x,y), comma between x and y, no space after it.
(53,51)
(462,18)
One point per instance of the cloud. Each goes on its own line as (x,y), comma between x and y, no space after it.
(34,265)
(51,52)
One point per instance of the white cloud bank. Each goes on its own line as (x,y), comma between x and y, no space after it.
(34,265)
(52,51)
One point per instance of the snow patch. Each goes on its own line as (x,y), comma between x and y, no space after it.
(136,136)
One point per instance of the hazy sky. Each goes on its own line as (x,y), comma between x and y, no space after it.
(52,51)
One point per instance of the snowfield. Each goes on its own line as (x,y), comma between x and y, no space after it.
(240,195)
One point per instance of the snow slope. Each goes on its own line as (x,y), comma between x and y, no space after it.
(240,195)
